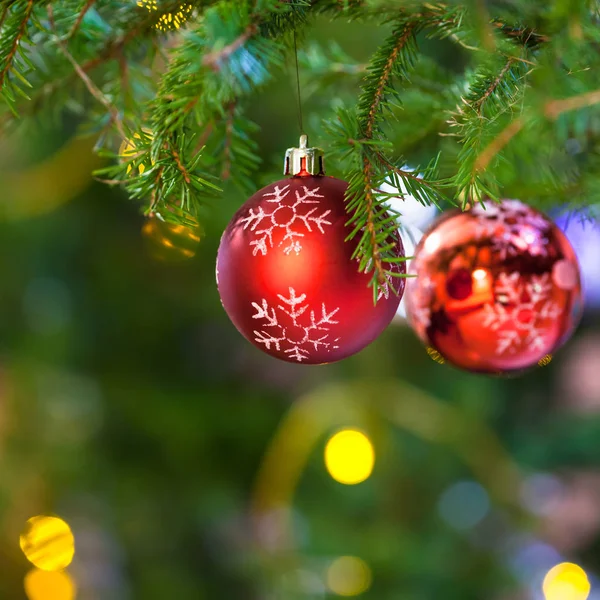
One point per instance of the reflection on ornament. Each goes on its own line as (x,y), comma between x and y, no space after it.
(546,360)
(171,242)
(497,288)
(349,457)
(435,355)
(45,585)
(566,581)
(128,149)
(412,212)
(584,235)
(411,236)
(287,276)
(175,20)
(349,576)
(48,543)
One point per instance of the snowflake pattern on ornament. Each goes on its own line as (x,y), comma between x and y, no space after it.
(311,330)
(286,215)
(512,227)
(521,307)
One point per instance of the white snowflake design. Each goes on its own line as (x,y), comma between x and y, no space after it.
(310,331)
(513,227)
(286,215)
(521,306)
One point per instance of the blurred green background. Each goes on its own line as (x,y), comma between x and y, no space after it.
(189,465)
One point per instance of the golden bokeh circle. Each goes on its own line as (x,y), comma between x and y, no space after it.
(49,585)
(349,456)
(349,576)
(48,543)
(566,581)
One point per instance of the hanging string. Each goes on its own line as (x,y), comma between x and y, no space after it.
(300,122)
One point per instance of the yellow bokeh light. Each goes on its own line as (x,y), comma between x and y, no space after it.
(545,361)
(566,581)
(170,242)
(48,543)
(435,355)
(174,20)
(349,576)
(46,585)
(149,4)
(349,456)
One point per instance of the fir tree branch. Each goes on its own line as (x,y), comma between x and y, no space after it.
(226,172)
(497,144)
(551,109)
(80,17)
(370,108)
(89,84)
(554,108)
(213,59)
(14,43)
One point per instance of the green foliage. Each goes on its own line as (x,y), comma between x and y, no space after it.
(529,74)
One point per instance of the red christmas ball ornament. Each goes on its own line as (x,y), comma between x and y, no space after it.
(286,275)
(497,289)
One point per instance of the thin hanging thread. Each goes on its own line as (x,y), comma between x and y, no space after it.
(298,86)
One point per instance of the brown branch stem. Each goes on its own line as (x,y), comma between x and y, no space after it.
(80,17)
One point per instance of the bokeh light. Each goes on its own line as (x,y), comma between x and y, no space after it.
(148,4)
(46,585)
(48,543)
(349,576)
(171,242)
(566,581)
(349,456)
(464,505)
(175,20)
(435,355)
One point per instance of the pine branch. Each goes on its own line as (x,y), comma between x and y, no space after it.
(394,59)
(80,17)
(495,89)
(15,18)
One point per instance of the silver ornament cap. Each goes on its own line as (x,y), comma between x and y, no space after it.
(304,161)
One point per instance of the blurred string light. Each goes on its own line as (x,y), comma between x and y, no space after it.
(170,20)
(49,585)
(349,576)
(48,543)
(435,355)
(175,20)
(171,242)
(464,505)
(349,456)
(566,581)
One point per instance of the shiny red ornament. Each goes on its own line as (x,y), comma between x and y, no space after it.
(498,288)
(287,278)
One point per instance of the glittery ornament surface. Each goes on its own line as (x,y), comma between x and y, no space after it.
(497,288)
(287,278)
